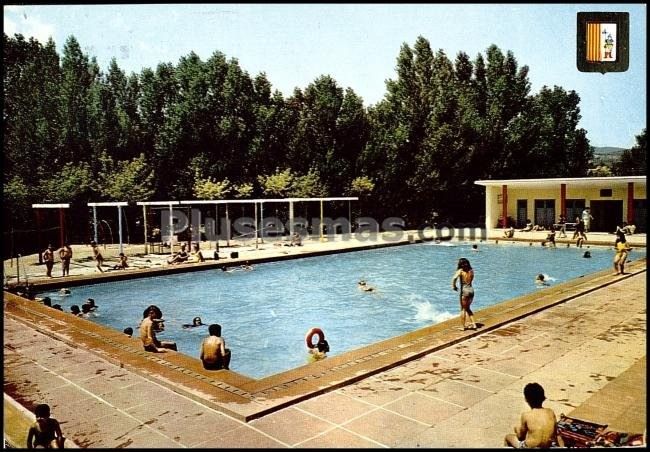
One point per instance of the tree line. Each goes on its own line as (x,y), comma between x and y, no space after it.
(208,130)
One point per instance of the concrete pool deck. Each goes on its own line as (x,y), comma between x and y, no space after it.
(435,387)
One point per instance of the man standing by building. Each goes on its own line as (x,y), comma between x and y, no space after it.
(65,253)
(586,219)
(48,258)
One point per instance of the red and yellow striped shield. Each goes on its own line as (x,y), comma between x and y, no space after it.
(601,41)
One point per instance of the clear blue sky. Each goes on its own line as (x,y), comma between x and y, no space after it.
(357,44)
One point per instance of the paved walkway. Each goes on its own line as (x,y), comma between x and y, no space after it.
(466,395)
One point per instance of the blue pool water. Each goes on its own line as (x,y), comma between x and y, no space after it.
(266,312)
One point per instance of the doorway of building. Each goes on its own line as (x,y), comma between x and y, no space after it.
(545,212)
(640,214)
(607,215)
(522,212)
(574,208)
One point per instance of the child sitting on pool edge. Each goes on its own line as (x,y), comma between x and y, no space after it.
(45,431)
(319,352)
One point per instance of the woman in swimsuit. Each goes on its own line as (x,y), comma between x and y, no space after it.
(466,275)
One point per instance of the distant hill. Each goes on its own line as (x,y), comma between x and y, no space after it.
(607,154)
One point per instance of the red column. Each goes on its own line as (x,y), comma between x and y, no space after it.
(504,198)
(563,199)
(630,202)
(62,224)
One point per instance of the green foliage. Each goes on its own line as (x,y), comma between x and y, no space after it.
(73,183)
(16,191)
(210,189)
(277,184)
(634,162)
(361,186)
(308,186)
(243,190)
(127,180)
(72,132)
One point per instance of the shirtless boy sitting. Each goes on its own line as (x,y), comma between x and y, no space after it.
(214,353)
(46,431)
(538,427)
(148,328)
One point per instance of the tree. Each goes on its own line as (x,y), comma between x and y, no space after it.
(308,185)
(360,186)
(277,184)
(211,189)
(78,76)
(634,161)
(73,183)
(315,135)
(243,190)
(351,137)
(127,180)
(31,114)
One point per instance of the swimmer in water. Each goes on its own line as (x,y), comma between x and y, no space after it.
(195,322)
(91,303)
(365,287)
(541,280)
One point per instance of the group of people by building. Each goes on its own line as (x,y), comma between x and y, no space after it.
(65,254)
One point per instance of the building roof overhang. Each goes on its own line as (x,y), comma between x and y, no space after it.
(569,181)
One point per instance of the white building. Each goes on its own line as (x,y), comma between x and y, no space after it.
(611,200)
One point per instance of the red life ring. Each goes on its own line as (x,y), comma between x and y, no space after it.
(310,334)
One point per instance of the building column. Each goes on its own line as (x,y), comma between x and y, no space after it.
(630,202)
(62,224)
(119,223)
(504,199)
(171,230)
(563,200)
(40,237)
(290,218)
(144,221)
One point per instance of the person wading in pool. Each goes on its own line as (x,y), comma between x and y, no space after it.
(465,275)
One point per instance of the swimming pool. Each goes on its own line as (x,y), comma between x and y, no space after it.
(266,312)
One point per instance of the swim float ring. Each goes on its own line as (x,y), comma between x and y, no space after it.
(310,334)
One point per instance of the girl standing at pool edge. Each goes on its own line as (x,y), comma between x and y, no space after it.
(465,275)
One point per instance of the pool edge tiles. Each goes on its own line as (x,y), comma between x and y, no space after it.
(246,398)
